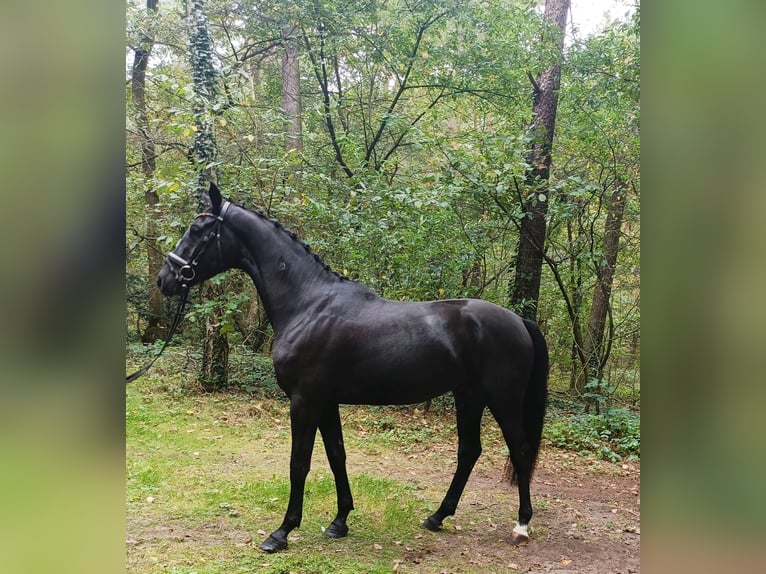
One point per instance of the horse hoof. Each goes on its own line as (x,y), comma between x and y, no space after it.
(520,535)
(432,524)
(272,544)
(336,530)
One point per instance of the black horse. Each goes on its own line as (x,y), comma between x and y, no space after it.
(338,342)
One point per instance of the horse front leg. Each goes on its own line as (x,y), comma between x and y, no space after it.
(303,425)
(332,435)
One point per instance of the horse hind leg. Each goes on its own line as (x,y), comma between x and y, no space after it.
(520,454)
(332,435)
(469,410)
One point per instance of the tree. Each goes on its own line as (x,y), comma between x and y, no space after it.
(154,328)
(420,165)
(621,166)
(594,351)
(592,241)
(378,77)
(215,353)
(291,90)
(525,291)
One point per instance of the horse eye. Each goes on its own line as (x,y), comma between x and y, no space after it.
(195,230)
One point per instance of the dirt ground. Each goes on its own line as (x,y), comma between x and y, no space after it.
(587,517)
(586,512)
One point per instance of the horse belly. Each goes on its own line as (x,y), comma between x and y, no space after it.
(396,378)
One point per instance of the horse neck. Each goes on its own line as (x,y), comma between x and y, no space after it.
(288,277)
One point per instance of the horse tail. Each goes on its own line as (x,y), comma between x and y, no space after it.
(536,396)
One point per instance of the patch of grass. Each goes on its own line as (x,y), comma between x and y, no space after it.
(334,560)
(207,478)
(403,429)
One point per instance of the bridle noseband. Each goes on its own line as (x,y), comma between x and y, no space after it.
(185,269)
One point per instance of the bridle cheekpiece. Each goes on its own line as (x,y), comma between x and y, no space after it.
(185,272)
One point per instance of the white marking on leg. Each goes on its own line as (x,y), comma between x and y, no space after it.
(521,530)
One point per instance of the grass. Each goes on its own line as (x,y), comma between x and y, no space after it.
(198,502)
(207,478)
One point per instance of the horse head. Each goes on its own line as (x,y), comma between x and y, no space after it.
(204,250)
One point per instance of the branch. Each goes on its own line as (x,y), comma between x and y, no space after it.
(320,71)
(606,352)
(339,83)
(535,85)
(398,142)
(402,86)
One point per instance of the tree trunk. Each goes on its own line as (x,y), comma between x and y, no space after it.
(472,278)
(575,284)
(155,326)
(215,352)
(525,291)
(215,355)
(204,77)
(595,351)
(291,90)
(253,325)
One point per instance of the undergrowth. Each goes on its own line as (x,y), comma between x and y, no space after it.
(613,435)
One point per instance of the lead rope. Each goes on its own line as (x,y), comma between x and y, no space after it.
(184,285)
(176,321)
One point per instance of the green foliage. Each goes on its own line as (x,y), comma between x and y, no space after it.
(602,394)
(412,232)
(223,307)
(430,104)
(613,435)
(254,374)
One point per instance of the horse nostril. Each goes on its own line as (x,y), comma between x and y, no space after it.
(159,282)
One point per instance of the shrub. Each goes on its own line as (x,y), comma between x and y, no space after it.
(613,435)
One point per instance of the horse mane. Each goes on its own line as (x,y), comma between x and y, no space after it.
(294,236)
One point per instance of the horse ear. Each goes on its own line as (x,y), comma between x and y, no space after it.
(215,196)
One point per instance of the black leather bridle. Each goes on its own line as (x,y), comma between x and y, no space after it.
(185,271)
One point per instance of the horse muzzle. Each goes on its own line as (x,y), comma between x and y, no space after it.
(168,281)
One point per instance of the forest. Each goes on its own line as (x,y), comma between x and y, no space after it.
(427,149)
